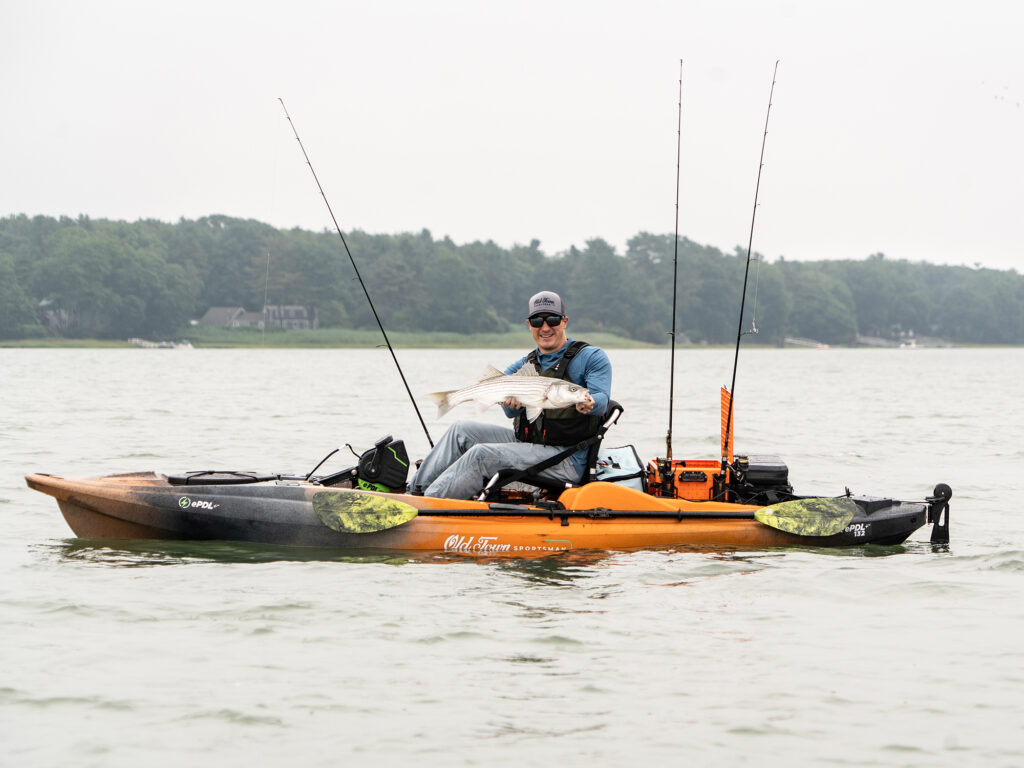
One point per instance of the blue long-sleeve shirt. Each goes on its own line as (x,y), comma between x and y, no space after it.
(590,367)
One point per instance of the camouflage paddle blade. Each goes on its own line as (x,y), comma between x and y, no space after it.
(361,512)
(809,517)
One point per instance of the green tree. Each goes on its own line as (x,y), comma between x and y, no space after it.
(821,306)
(98,285)
(17,314)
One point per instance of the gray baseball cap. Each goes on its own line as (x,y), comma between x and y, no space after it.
(545,301)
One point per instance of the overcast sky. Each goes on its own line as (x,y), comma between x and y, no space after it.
(896,127)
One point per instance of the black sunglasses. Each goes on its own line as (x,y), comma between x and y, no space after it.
(552,320)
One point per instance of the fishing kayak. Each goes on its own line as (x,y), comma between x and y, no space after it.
(303,512)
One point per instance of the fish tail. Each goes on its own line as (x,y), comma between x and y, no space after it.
(443,400)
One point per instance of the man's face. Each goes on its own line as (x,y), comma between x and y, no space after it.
(548,338)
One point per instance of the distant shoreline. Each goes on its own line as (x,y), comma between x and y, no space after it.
(325,338)
(335,338)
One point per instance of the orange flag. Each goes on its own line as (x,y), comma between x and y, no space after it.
(726,424)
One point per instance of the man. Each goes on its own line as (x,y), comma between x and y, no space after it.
(471,452)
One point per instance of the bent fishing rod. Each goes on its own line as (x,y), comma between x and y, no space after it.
(746,273)
(675,268)
(359,276)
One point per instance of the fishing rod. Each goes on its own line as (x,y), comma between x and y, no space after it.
(360,277)
(266,295)
(675,268)
(746,274)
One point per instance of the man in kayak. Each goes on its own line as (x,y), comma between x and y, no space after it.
(470,452)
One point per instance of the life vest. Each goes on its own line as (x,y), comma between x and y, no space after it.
(558,426)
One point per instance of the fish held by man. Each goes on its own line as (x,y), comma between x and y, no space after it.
(533,391)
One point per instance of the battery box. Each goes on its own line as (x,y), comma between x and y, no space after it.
(762,471)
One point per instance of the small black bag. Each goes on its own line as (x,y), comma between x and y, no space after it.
(384,467)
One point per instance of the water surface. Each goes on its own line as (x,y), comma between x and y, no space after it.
(212,653)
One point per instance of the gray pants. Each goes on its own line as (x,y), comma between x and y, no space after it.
(470,452)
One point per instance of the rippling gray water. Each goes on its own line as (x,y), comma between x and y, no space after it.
(118,654)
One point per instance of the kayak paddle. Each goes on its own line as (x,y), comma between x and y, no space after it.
(355,512)
(809,517)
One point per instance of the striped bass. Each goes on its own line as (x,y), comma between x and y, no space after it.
(534,391)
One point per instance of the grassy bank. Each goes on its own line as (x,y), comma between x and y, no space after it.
(56,343)
(235,338)
(328,338)
(343,337)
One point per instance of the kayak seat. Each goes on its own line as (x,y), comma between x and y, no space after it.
(550,486)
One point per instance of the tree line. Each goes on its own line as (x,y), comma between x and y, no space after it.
(112,279)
